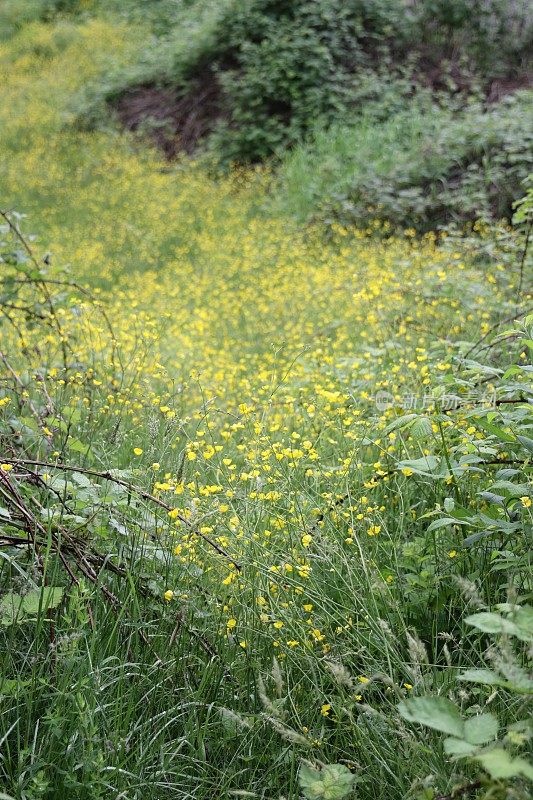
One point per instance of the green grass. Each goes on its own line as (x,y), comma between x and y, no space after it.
(225,444)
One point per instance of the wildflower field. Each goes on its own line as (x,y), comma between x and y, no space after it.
(265,488)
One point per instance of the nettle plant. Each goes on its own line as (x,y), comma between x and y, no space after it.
(480,737)
(498,460)
(329,782)
(483,464)
(487,519)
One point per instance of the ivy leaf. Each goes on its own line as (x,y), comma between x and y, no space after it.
(438,713)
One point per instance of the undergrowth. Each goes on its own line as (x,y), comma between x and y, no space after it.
(414,163)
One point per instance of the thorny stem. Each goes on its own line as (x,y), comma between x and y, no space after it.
(131,488)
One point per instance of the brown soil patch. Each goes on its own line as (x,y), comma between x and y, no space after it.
(500,88)
(175,123)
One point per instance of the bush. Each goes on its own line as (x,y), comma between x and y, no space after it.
(422,167)
(280,66)
(495,35)
(293,63)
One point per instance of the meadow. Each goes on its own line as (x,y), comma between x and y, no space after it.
(265,485)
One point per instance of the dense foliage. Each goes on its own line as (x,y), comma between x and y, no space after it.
(415,163)
(280,66)
(244,80)
(266,504)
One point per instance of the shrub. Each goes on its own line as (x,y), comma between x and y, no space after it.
(495,35)
(280,66)
(425,166)
(293,63)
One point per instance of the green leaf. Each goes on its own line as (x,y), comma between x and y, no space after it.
(514,489)
(458,747)
(493,623)
(495,430)
(338,781)
(401,422)
(476,537)
(309,779)
(421,428)
(493,499)
(523,617)
(484,676)
(511,371)
(17,608)
(481,729)
(48,597)
(9,608)
(422,466)
(445,521)
(82,480)
(10,686)
(527,442)
(438,713)
(77,446)
(499,764)
(332,782)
